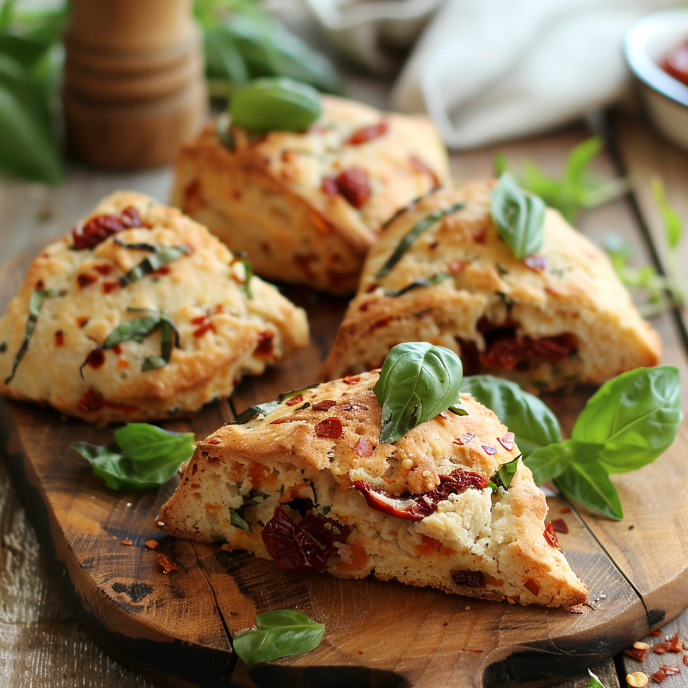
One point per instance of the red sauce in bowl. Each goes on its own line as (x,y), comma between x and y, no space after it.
(676,64)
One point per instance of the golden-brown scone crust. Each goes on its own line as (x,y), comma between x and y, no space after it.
(266,197)
(224,334)
(571,290)
(279,457)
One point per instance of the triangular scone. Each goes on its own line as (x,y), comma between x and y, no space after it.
(556,318)
(306,206)
(301,472)
(83,293)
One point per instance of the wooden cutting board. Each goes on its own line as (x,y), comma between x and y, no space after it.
(177,627)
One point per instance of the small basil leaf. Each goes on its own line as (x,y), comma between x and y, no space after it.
(636,415)
(413,233)
(507,471)
(492,486)
(417,381)
(238,521)
(280,633)
(251,412)
(276,104)
(131,329)
(246,286)
(428,282)
(548,462)
(589,484)
(148,265)
(594,682)
(532,423)
(518,216)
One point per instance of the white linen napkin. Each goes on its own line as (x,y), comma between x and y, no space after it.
(489,70)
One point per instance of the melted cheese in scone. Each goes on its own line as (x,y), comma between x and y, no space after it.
(157,262)
(313,458)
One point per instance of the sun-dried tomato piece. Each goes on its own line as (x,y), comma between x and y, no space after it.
(532,586)
(330,427)
(508,351)
(368,133)
(551,537)
(559,526)
(59,338)
(464,439)
(536,262)
(265,343)
(507,441)
(471,579)
(418,507)
(84,279)
(354,185)
(303,547)
(636,652)
(167,564)
(294,400)
(100,227)
(91,401)
(364,448)
(324,405)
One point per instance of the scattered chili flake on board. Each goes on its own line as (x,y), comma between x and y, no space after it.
(330,427)
(532,586)
(636,653)
(670,669)
(659,675)
(294,400)
(657,632)
(660,648)
(551,537)
(368,133)
(151,544)
(128,543)
(674,644)
(685,660)
(559,526)
(364,448)
(324,405)
(167,564)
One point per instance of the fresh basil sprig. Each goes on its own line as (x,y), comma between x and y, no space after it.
(142,456)
(276,104)
(35,304)
(532,423)
(417,381)
(152,263)
(518,216)
(413,233)
(279,633)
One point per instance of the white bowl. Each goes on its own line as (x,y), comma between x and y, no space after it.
(665,99)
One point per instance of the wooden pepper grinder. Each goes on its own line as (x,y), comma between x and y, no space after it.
(134,87)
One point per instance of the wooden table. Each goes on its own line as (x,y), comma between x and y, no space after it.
(40,639)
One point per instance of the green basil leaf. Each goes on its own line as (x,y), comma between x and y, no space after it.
(251,412)
(151,448)
(548,462)
(413,233)
(673,227)
(236,520)
(636,415)
(532,423)
(136,247)
(417,381)
(507,471)
(428,282)
(594,682)
(518,216)
(138,328)
(148,265)
(589,484)
(246,286)
(276,104)
(168,337)
(280,633)
(35,304)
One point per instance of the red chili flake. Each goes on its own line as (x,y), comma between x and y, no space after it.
(489,450)
(471,579)
(443,415)
(354,186)
(117,348)
(674,645)
(95,358)
(351,379)
(279,421)
(330,427)
(294,400)
(214,440)
(101,227)
(532,586)
(551,537)
(91,401)
(464,439)
(265,343)
(636,653)
(207,327)
(103,268)
(507,441)
(566,510)
(128,543)
(536,262)
(685,659)
(661,648)
(657,632)
(578,609)
(659,675)
(167,564)
(364,448)
(329,186)
(417,507)
(164,270)
(455,266)
(199,320)
(480,237)
(109,286)
(59,338)
(671,669)
(420,166)
(303,547)
(151,544)
(324,405)
(367,133)
(39,285)
(559,526)
(84,279)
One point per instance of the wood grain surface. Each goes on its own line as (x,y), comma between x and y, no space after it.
(642,589)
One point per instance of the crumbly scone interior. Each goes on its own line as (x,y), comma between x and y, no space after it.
(480,542)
